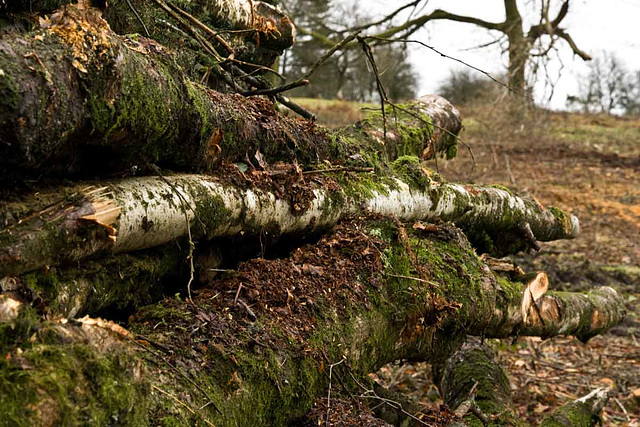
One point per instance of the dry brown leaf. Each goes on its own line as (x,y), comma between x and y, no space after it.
(104,324)
(261,160)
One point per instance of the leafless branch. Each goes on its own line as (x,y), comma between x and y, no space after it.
(454,59)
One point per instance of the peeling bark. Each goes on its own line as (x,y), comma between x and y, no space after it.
(370,292)
(141,213)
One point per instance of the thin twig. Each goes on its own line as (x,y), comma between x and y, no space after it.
(153,386)
(444,55)
(417,279)
(511,177)
(304,80)
(329,392)
(192,245)
(447,131)
(314,171)
(203,27)
(380,87)
(182,374)
(246,307)
(222,72)
(340,169)
(135,12)
(387,18)
(395,405)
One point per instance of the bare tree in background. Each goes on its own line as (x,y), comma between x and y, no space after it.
(608,87)
(522,45)
(345,75)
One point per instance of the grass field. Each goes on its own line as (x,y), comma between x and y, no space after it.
(588,165)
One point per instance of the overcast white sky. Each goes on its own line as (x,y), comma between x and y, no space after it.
(595,25)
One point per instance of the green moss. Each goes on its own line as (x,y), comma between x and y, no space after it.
(574,414)
(411,170)
(210,211)
(116,282)
(558,214)
(58,383)
(19,330)
(9,93)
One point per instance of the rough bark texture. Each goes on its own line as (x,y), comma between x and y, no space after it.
(371,292)
(117,284)
(472,376)
(77,98)
(139,213)
(258,33)
(583,412)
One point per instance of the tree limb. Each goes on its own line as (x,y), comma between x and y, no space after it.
(576,50)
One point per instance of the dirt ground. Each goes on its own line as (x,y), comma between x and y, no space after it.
(590,166)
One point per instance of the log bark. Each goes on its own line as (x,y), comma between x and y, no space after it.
(581,412)
(255,31)
(76,98)
(139,213)
(476,387)
(115,284)
(257,345)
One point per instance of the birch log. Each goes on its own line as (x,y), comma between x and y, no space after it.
(257,32)
(141,213)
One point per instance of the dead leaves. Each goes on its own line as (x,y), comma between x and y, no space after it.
(82,28)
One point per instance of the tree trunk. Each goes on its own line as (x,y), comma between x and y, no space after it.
(114,105)
(477,388)
(518,49)
(255,348)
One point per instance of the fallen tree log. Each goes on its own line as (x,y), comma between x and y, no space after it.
(77,99)
(116,284)
(255,348)
(581,412)
(250,31)
(140,213)
(477,388)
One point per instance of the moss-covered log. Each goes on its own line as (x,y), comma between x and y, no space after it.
(255,31)
(115,284)
(255,348)
(76,98)
(140,213)
(583,412)
(475,386)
